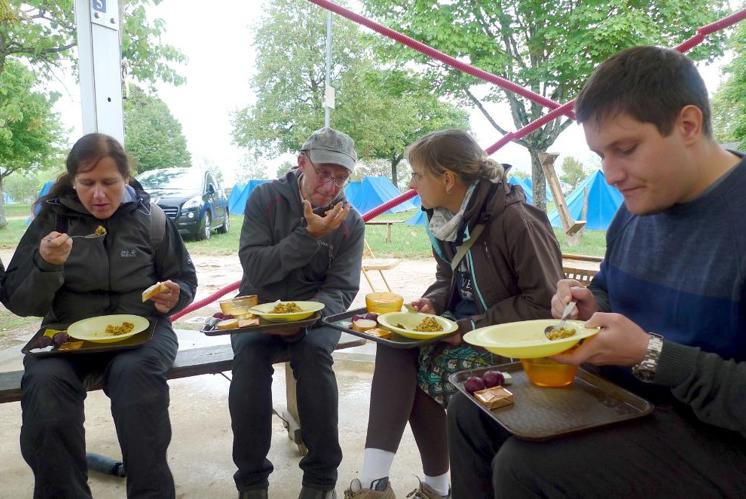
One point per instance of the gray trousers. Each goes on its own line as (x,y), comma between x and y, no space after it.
(250,402)
(667,454)
(52,434)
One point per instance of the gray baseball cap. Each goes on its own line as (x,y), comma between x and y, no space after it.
(327,145)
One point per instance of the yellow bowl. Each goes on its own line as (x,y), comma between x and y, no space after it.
(308,308)
(240,305)
(548,373)
(94,328)
(526,339)
(403,323)
(381,303)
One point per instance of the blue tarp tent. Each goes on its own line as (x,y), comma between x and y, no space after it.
(419,218)
(528,188)
(240,194)
(42,192)
(369,192)
(603,202)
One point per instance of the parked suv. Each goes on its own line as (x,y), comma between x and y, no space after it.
(191,198)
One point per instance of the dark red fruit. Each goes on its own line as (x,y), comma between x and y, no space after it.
(493,378)
(357,317)
(473,384)
(219,315)
(59,339)
(372,316)
(42,341)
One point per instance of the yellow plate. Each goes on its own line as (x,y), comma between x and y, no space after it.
(94,328)
(265,311)
(526,339)
(410,321)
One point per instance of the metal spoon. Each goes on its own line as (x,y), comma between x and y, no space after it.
(93,235)
(565,314)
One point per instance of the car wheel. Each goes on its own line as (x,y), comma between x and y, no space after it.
(226,224)
(205,230)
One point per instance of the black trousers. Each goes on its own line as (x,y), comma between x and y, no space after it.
(667,454)
(52,434)
(250,403)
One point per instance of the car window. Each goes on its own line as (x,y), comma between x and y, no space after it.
(170,179)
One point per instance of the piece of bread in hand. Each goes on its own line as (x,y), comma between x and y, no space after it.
(153,290)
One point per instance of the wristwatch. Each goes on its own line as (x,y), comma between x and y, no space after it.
(645,370)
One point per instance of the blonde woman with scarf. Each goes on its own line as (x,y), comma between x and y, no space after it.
(508,274)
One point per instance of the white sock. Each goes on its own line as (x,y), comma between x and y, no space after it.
(438,483)
(376,464)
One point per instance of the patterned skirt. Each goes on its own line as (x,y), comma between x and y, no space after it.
(439,360)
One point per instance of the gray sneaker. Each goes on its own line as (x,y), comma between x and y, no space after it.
(312,493)
(253,494)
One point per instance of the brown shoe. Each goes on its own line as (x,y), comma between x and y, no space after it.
(424,491)
(380,489)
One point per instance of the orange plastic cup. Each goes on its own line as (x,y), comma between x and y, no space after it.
(546,372)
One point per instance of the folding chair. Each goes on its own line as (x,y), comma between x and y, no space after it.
(372,264)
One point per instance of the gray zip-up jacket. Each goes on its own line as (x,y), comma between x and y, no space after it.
(281,261)
(101,276)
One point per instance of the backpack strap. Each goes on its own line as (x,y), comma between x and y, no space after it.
(157,225)
(465,247)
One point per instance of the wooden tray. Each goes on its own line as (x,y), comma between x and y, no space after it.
(91,347)
(544,413)
(343,322)
(264,326)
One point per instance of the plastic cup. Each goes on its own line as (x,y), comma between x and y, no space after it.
(239,305)
(381,303)
(546,372)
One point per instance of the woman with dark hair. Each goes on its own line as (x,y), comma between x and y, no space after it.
(507,273)
(66,280)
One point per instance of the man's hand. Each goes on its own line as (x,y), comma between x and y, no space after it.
(620,342)
(319,226)
(424,305)
(166,300)
(55,247)
(568,290)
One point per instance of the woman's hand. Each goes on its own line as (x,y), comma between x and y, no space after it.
(166,300)
(424,305)
(55,247)
(620,342)
(568,290)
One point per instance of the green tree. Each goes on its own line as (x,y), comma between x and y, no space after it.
(152,136)
(382,110)
(43,33)
(547,47)
(729,102)
(30,132)
(573,172)
(285,167)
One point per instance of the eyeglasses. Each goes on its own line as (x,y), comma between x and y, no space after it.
(324,177)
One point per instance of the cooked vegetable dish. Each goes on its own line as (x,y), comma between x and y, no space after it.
(101,230)
(286,308)
(559,334)
(429,325)
(124,328)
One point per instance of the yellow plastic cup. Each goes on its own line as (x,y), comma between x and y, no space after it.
(546,372)
(239,305)
(381,303)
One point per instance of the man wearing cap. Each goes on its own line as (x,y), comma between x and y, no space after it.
(300,241)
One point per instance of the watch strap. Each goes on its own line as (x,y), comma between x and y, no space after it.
(645,370)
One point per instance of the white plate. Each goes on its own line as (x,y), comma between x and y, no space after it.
(94,328)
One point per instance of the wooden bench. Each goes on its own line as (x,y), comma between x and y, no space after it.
(582,268)
(214,359)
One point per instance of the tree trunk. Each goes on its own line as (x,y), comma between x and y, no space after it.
(539,181)
(3,220)
(394,173)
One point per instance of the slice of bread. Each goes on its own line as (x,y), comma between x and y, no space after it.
(153,290)
(228,324)
(379,332)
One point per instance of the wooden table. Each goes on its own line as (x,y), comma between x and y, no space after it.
(388,224)
(580,267)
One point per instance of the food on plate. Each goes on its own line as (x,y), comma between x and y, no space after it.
(59,338)
(560,334)
(379,332)
(248,322)
(71,345)
(117,330)
(153,290)
(100,230)
(227,324)
(429,325)
(286,308)
(474,384)
(494,397)
(363,324)
(493,378)
(380,303)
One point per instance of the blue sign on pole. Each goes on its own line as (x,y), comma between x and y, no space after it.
(99,5)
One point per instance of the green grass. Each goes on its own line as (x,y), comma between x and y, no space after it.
(407,241)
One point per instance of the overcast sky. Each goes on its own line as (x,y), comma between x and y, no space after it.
(216,38)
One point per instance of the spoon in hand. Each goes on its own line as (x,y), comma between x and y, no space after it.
(565,314)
